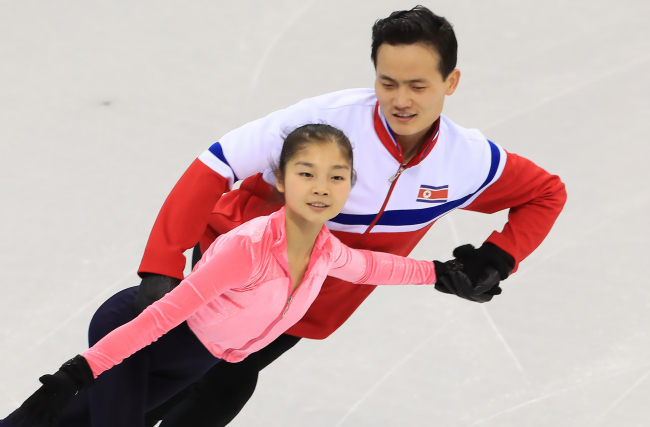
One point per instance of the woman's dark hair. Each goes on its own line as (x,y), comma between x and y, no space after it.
(299,138)
(418,25)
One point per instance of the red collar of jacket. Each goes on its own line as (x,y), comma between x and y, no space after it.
(385,135)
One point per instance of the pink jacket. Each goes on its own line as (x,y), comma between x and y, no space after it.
(237,300)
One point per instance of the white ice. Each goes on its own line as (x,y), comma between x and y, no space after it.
(104,104)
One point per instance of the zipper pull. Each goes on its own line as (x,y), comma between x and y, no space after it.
(394,177)
(287,307)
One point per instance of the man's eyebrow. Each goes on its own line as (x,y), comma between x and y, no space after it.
(420,80)
(385,77)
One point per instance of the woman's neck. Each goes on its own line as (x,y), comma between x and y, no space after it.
(301,234)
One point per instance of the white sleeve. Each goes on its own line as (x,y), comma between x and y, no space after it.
(255,146)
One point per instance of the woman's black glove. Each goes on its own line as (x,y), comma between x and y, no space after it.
(152,288)
(43,408)
(485,266)
(451,280)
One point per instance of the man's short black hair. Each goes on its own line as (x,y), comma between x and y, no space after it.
(418,25)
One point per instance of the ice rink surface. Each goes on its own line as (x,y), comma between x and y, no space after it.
(103,106)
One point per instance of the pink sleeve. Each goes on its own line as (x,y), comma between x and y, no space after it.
(226,265)
(378,268)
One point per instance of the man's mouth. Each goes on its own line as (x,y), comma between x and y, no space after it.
(404,118)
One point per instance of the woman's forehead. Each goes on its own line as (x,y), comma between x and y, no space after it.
(322,152)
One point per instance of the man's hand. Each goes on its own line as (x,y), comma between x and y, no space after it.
(152,288)
(452,280)
(485,266)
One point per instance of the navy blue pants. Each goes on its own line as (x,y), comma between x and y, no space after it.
(122,395)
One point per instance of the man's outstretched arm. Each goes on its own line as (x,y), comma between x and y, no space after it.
(535,199)
(179,225)
(182,220)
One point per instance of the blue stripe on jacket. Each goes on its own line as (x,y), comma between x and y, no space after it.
(218,153)
(420,216)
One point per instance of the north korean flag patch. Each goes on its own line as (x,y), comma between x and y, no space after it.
(430,194)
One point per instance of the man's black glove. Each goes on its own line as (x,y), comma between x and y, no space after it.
(152,288)
(43,408)
(485,266)
(452,280)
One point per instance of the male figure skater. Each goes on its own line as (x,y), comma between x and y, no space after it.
(414,165)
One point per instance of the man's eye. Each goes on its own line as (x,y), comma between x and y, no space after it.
(420,88)
(387,85)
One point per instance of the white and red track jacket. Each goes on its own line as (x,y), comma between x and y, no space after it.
(390,209)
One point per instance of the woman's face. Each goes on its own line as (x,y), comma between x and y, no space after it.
(317,182)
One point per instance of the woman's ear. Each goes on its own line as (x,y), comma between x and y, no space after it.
(279,181)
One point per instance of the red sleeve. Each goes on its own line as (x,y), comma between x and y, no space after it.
(182,220)
(535,199)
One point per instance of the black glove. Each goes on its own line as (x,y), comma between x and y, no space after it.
(152,288)
(452,280)
(485,266)
(44,407)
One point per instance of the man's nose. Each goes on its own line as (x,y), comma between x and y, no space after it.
(402,100)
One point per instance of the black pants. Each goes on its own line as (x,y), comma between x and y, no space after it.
(122,395)
(221,394)
(217,398)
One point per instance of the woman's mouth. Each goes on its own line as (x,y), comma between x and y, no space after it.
(318,206)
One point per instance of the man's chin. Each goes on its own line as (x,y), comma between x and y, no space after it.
(410,129)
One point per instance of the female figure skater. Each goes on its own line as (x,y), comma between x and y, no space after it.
(251,285)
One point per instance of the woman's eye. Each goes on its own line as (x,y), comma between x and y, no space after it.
(306,174)
(338,178)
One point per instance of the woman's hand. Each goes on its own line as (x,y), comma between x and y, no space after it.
(43,408)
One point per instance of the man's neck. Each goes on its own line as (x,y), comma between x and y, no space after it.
(411,144)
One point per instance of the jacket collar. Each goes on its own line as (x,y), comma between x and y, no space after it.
(387,137)
(278,231)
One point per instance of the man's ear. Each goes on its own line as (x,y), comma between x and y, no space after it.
(452,79)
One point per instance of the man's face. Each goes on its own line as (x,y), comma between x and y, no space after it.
(410,88)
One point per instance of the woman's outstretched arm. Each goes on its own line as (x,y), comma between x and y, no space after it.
(226,265)
(378,268)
